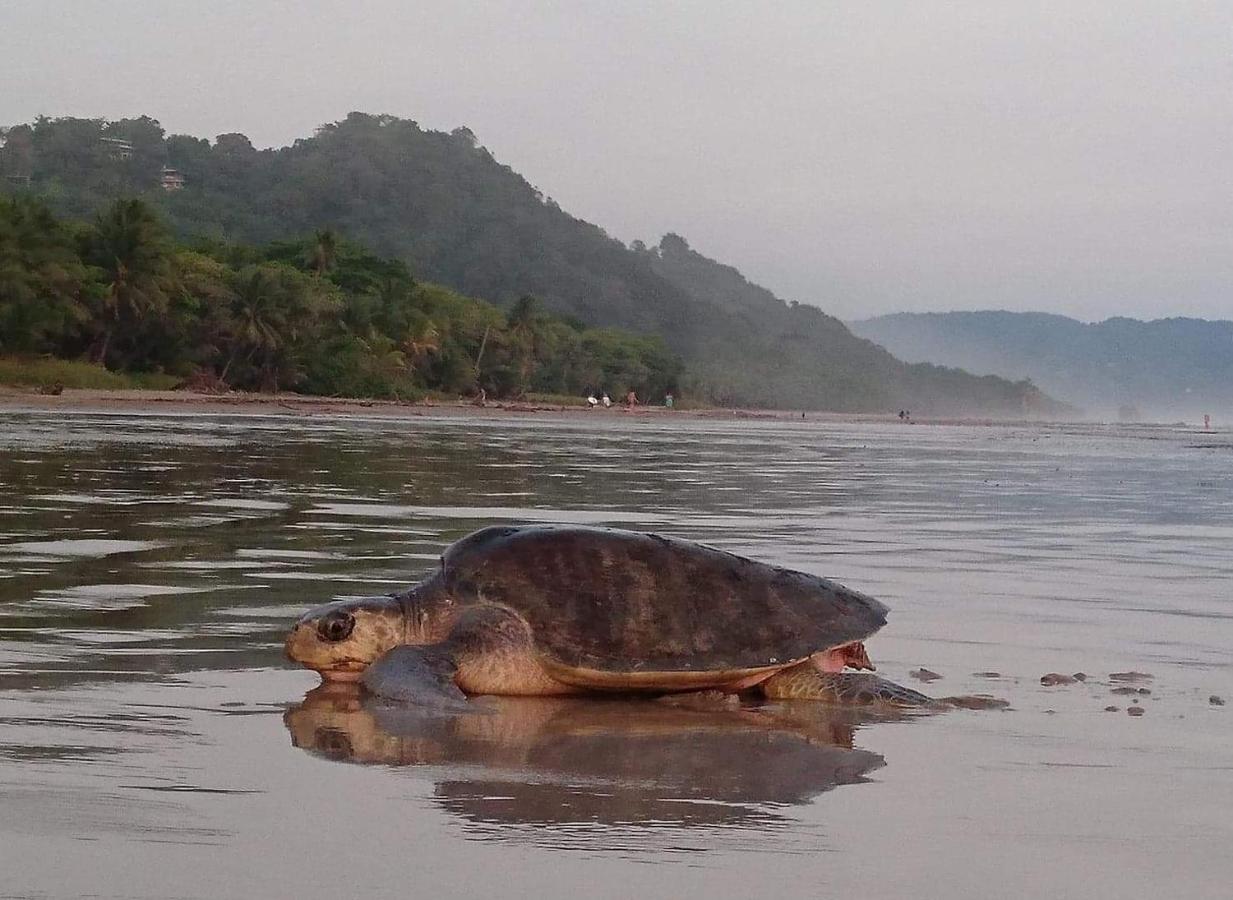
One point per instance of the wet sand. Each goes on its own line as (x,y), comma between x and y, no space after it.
(154,743)
(238,403)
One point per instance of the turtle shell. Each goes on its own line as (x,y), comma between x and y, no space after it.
(621,603)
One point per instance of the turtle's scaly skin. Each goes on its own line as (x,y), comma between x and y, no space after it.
(804,682)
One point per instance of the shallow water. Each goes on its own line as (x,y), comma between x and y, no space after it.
(153,742)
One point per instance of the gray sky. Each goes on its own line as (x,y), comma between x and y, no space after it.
(867,157)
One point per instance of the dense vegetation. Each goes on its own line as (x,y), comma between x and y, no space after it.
(322,315)
(1166,368)
(445,208)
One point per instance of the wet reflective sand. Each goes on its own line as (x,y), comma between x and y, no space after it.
(598,765)
(153,743)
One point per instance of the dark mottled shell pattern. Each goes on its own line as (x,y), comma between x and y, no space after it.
(620,601)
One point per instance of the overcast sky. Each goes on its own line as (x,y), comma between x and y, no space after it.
(867,157)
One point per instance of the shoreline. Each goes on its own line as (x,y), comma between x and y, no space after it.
(144,401)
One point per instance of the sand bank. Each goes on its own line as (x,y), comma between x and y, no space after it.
(238,403)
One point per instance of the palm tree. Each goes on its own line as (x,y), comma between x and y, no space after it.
(131,247)
(526,336)
(258,315)
(275,307)
(422,339)
(323,252)
(42,280)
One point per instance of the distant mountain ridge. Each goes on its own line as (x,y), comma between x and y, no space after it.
(458,217)
(1166,368)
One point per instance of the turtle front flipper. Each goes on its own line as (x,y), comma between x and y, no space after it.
(488,651)
(420,675)
(805,682)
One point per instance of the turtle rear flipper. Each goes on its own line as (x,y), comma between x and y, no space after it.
(805,682)
(420,675)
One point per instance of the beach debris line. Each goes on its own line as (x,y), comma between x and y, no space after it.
(1130,677)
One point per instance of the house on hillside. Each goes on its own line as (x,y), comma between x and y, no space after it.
(117,148)
(171,179)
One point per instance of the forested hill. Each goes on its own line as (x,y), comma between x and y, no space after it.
(447,208)
(1168,368)
(790,347)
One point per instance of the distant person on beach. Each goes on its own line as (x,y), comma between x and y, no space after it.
(668,401)
(607,401)
(591,401)
(631,400)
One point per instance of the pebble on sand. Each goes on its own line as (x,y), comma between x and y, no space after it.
(1130,676)
(1113,709)
(986,674)
(1054,678)
(1216,700)
(924,675)
(1135,710)
(1130,690)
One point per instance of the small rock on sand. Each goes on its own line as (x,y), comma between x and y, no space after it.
(1216,700)
(1055,678)
(1130,677)
(924,675)
(1113,709)
(986,674)
(1135,710)
(1130,690)
(1079,676)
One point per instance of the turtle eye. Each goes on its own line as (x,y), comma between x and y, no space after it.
(336,626)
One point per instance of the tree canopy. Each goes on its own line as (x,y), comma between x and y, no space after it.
(321,314)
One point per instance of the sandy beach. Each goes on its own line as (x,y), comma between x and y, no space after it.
(237,403)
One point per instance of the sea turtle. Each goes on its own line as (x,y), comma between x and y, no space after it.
(559,610)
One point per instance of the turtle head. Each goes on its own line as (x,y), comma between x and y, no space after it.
(341,639)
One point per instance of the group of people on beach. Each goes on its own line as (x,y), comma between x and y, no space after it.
(631,400)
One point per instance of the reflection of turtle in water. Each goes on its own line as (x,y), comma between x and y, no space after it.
(557,760)
(541,611)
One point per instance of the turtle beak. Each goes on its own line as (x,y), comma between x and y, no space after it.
(291,636)
(294,643)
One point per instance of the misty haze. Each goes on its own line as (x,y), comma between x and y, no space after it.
(608,450)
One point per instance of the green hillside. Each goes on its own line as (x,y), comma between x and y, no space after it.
(82,301)
(446,208)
